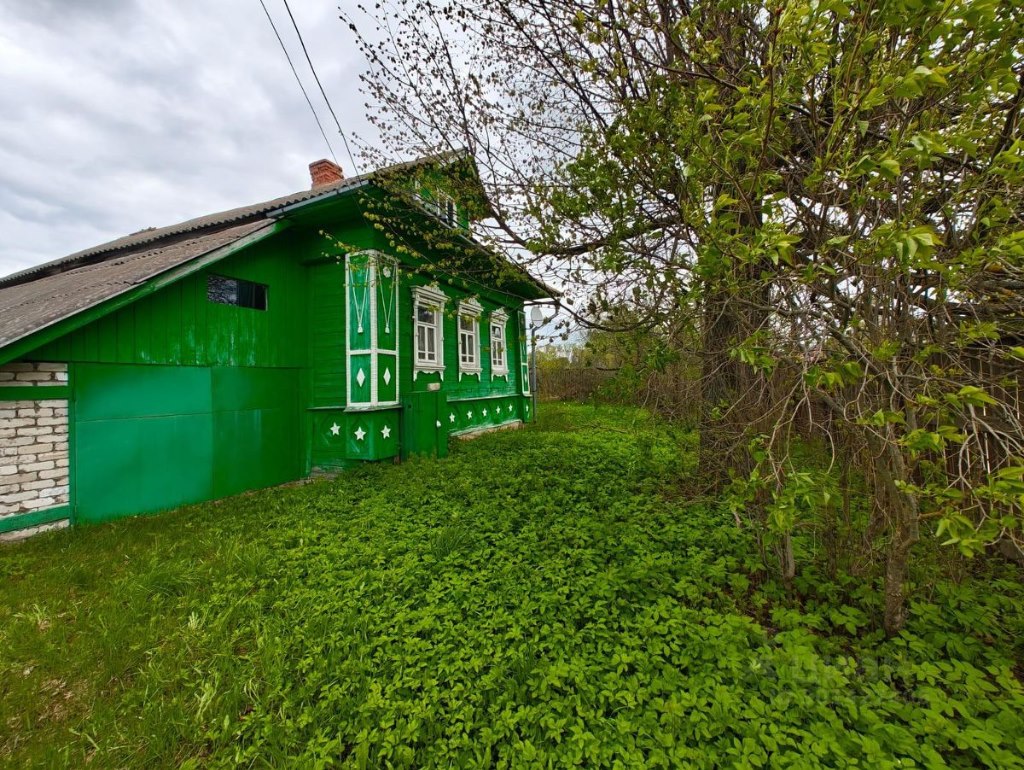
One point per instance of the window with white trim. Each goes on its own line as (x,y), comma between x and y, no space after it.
(499,353)
(441,206)
(428,330)
(469,337)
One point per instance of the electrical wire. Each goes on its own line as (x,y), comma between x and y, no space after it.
(323,93)
(299,81)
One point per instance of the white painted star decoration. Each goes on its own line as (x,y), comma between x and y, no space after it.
(498,409)
(335,429)
(437,424)
(469,415)
(386,431)
(485,412)
(451,417)
(360,433)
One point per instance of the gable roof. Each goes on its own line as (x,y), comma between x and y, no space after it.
(39,297)
(33,305)
(153,234)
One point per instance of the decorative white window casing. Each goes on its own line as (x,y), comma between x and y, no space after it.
(469,338)
(371,300)
(524,360)
(428,329)
(499,350)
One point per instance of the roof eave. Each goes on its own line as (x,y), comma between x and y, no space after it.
(326,195)
(57,327)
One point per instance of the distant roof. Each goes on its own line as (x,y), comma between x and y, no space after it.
(35,298)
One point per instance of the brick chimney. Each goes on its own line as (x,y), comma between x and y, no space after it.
(324,172)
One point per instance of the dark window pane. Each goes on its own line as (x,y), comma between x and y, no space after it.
(235,291)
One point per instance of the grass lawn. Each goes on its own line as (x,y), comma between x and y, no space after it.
(532,601)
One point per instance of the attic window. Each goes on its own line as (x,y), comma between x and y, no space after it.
(443,207)
(236,291)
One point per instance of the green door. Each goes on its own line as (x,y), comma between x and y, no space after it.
(148,438)
(423,430)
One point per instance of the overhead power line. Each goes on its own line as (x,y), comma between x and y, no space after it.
(323,93)
(299,80)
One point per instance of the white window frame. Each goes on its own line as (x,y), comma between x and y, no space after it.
(376,260)
(470,308)
(499,345)
(442,206)
(524,356)
(433,299)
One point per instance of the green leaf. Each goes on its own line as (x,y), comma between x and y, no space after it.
(975,396)
(890,168)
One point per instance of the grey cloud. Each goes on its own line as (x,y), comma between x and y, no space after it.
(116,115)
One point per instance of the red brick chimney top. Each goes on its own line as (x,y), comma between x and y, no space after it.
(324,172)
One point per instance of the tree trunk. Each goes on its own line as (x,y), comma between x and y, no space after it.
(730,389)
(904,528)
(896,563)
(787,561)
(721,378)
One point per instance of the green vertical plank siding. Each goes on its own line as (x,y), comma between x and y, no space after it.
(421,434)
(468,386)
(326,308)
(327,334)
(177,399)
(179,325)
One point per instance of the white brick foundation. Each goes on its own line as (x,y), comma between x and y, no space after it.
(33,441)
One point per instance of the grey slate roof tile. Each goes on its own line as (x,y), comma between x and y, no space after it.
(28,307)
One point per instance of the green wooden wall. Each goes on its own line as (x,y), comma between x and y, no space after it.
(179,325)
(207,386)
(500,397)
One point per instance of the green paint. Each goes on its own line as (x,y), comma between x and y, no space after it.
(179,325)
(474,414)
(176,399)
(149,438)
(343,438)
(28,345)
(34,518)
(33,392)
(420,431)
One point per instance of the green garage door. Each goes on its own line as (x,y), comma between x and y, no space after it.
(148,438)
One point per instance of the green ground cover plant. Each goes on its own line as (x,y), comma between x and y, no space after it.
(542,598)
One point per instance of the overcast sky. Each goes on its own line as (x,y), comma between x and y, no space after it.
(117,115)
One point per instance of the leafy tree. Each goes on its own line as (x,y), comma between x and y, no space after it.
(833,189)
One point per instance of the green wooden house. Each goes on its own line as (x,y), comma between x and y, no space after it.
(254,347)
